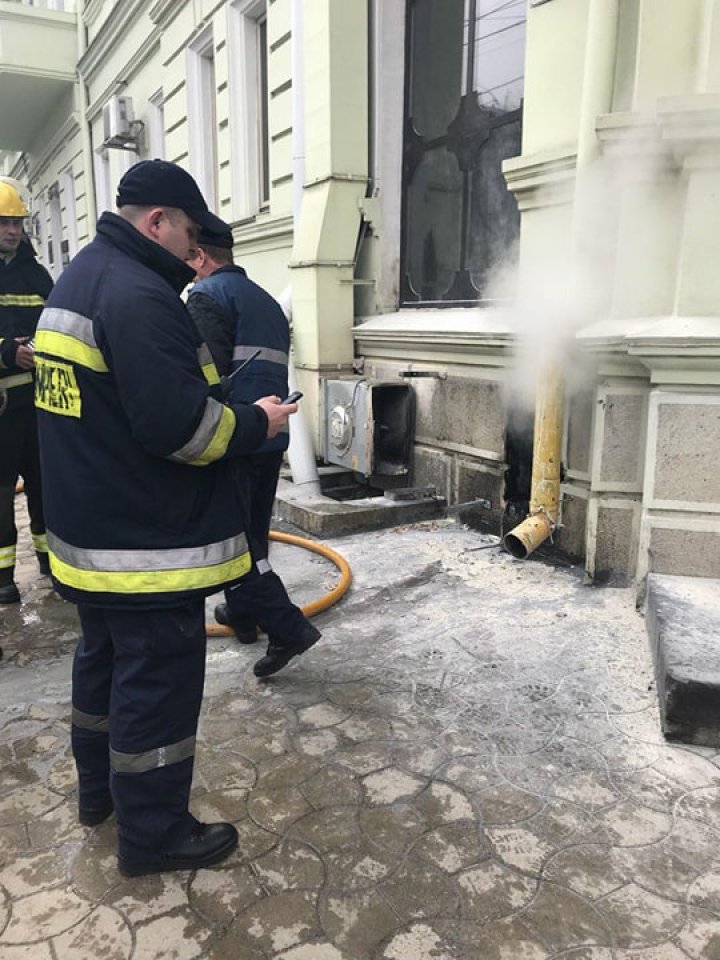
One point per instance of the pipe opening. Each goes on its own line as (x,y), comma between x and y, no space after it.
(515,546)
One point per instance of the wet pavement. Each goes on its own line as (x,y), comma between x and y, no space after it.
(468,766)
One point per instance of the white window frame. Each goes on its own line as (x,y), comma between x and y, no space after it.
(202,107)
(68,188)
(244,18)
(156,125)
(43,238)
(56,228)
(103,198)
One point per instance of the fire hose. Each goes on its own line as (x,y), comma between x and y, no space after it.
(315,606)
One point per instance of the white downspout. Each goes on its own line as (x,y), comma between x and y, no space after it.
(301,452)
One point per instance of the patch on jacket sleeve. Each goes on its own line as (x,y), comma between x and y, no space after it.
(56,388)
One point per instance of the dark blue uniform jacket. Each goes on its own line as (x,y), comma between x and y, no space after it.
(141,504)
(229,301)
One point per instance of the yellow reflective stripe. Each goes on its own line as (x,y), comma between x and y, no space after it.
(40,542)
(210,373)
(16,380)
(21,300)
(150,581)
(207,364)
(220,440)
(7,557)
(67,347)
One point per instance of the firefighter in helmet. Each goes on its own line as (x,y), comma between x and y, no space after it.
(24,287)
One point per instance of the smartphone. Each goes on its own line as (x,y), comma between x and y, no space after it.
(293,398)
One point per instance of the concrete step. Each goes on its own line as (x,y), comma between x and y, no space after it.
(324,517)
(683,624)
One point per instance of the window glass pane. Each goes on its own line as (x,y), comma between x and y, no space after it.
(494,217)
(436,67)
(499,53)
(434,210)
(464,83)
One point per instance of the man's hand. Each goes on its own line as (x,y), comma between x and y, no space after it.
(24,358)
(277,413)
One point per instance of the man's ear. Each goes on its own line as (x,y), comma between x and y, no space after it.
(154,218)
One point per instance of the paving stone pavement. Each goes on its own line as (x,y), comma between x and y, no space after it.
(468,766)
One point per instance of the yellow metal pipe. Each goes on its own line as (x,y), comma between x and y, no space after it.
(547,451)
(597,98)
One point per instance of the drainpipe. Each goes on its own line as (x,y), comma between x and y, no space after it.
(301,451)
(84,125)
(598,80)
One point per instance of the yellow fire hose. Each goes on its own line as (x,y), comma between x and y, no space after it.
(316,606)
(310,609)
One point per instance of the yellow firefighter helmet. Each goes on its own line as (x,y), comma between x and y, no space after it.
(11,203)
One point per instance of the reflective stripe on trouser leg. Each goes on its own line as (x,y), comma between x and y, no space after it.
(91,676)
(7,556)
(40,542)
(158,678)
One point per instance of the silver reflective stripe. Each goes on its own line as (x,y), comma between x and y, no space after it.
(88,721)
(274,356)
(200,440)
(204,355)
(16,380)
(263,566)
(134,561)
(152,759)
(68,322)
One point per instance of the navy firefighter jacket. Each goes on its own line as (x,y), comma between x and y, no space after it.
(229,300)
(140,501)
(24,287)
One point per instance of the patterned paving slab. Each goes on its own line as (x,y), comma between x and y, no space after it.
(468,766)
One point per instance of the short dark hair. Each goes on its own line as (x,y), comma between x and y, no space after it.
(220,255)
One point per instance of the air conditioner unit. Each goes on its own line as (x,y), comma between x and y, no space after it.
(369,426)
(120,129)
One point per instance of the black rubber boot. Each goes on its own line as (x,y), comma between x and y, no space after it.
(9,593)
(207,844)
(92,816)
(278,657)
(242,636)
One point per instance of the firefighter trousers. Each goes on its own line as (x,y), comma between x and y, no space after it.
(138,679)
(260,598)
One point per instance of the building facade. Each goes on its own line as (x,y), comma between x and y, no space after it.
(458,194)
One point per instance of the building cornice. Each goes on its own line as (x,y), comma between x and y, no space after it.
(542,179)
(164,12)
(92,11)
(456,331)
(122,15)
(691,126)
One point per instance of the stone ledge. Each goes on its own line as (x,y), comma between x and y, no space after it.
(325,517)
(683,624)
